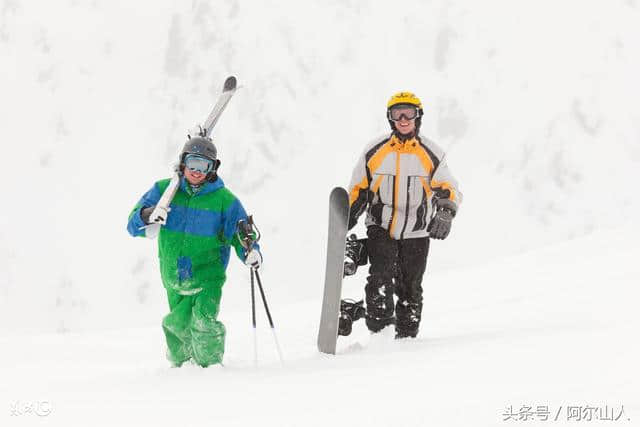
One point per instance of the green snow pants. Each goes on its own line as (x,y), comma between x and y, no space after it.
(191,328)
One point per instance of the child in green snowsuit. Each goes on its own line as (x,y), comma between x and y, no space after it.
(194,242)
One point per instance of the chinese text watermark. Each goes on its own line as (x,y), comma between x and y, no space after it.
(564,413)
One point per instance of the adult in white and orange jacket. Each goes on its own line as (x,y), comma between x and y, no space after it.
(403,184)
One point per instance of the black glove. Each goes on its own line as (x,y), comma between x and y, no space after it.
(440,224)
(146,212)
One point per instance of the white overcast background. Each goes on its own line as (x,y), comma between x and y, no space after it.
(531,301)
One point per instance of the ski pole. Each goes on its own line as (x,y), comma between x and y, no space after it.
(253,319)
(266,308)
(248,234)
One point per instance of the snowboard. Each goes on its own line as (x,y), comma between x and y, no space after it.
(336,242)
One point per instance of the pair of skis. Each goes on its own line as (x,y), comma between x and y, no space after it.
(228,90)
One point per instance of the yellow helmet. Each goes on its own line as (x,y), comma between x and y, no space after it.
(404,98)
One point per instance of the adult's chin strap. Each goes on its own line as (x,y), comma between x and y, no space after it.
(402,137)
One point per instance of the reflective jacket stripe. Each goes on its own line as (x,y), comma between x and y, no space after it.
(396,195)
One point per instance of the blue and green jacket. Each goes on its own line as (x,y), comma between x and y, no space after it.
(195,243)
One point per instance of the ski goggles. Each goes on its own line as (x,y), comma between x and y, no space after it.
(397,112)
(197,163)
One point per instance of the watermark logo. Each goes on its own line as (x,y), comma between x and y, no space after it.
(564,413)
(40,408)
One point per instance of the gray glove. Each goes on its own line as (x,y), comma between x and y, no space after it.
(145,213)
(154,215)
(440,224)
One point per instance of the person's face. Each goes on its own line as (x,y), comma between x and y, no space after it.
(404,117)
(196,168)
(194,177)
(406,126)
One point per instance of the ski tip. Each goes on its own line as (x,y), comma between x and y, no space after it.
(230,84)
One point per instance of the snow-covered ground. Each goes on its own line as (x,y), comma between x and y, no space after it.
(555,327)
(530,301)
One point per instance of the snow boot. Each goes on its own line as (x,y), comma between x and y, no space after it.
(407,319)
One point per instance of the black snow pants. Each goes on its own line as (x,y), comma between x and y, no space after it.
(397,266)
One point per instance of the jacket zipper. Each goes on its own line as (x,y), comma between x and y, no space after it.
(186,220)
(406,213)
(396,196)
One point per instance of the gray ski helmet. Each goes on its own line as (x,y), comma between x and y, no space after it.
(201,146)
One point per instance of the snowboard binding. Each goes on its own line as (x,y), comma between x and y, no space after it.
(350,311)
(356,254)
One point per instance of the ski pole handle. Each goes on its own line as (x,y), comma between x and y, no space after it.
(248,233)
